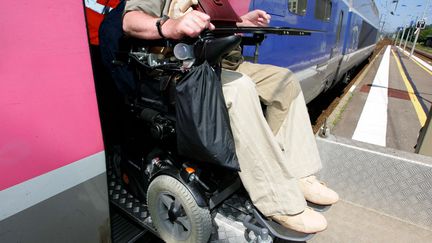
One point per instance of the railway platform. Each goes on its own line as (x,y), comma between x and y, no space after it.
(368,154)
(389,104)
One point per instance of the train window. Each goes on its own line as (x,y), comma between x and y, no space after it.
(323,9)
(339,27)
(297,6)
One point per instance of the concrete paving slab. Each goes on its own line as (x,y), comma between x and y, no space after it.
(352,223)
(403,124)
(345,117)
(421,78)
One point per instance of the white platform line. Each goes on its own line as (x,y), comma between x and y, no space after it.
(426,65)
(372,125)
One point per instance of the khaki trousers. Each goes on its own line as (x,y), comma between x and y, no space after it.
(276,149)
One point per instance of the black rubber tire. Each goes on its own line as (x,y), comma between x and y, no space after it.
(199,218)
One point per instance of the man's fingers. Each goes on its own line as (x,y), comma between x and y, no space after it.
(202,20)
(262,14)
(201,15)
(198,23)
(211,26)
(191,32)
(263,20)
(196,27)
(194,22)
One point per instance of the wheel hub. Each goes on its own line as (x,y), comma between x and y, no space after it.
(173,216)
(173,212)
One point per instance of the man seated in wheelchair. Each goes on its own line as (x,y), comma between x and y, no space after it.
(277,152)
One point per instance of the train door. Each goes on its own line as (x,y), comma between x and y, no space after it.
(338,44)
(336,49)
(325,12)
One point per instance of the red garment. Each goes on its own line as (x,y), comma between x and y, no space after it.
(95,15)
(240,7)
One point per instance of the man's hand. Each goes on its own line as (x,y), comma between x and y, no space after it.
(255,18)
(190,24)
(141,25)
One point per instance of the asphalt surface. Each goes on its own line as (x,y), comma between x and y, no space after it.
(403,122)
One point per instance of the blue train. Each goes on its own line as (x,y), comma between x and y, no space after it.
(346,34)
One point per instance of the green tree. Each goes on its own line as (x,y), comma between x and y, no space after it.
(424,33)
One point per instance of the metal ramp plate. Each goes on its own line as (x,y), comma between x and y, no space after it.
(123,230)
(228,217)
(127,204)
(385,180)
(229,221)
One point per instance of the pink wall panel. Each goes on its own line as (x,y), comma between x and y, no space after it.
(48,110)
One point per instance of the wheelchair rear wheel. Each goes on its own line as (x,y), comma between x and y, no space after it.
(174,212)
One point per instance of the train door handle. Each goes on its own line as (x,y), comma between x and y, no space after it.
(320,65)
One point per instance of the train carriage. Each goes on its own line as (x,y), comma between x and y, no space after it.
(346,33)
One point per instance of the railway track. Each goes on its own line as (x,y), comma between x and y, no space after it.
(322,106)
(422,54)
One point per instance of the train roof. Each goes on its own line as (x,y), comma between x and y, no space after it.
(367,9)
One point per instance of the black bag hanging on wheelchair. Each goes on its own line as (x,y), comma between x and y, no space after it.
(203,128)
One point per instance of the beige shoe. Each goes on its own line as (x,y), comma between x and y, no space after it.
(316,192)
(308,221)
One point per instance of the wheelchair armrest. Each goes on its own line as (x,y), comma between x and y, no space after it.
(213,50)
(254,36)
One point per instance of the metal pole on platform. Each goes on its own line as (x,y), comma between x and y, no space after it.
(402,37)
(424,140)
(382,27)
(418,30)
(406,40)
(412,31)
(415,41)
(397,37)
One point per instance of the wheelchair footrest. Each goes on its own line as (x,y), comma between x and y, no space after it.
(276,229)
(237,218)
(317,207)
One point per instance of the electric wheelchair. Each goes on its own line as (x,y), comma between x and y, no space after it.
(181,195)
